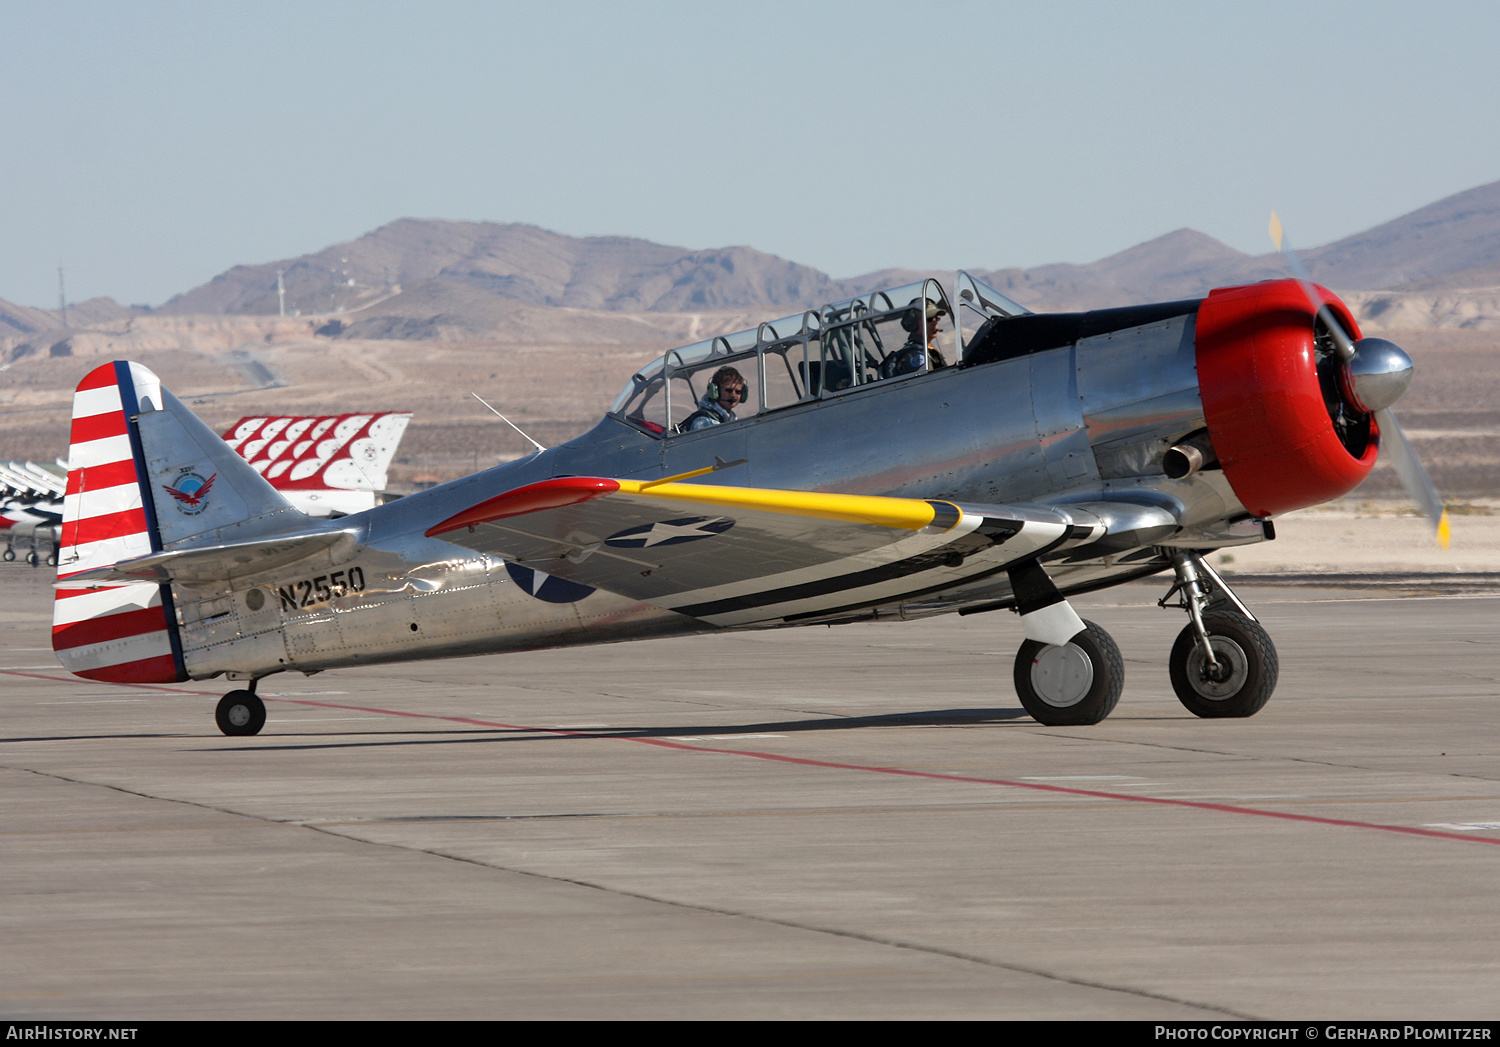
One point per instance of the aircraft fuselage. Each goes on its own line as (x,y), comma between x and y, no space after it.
(1084,422)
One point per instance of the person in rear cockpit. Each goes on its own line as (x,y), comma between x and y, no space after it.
(912,357)
(726,390)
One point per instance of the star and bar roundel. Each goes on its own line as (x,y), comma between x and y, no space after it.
(670,532)
(545,586)
(552,589)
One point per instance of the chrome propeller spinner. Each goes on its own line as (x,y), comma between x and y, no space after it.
(1377,375)
(1374,376)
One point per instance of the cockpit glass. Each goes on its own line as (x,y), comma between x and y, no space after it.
(883,335)
(845,345)
(975,294)
(786,327)
(735,343)
(691,355)
(637,381)
(784,348)
(643,403)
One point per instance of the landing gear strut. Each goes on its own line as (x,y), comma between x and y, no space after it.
(1223,663)
(241,712)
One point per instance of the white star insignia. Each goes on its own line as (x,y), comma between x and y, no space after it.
(665,532)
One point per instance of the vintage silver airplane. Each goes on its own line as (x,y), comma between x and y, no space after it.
(849,463)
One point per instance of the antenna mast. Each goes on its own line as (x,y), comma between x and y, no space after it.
(508,422)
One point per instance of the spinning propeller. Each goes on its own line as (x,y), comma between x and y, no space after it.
(1372,375)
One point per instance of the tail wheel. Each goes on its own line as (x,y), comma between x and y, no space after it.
(240,713)
(1073,684)
(1246,673)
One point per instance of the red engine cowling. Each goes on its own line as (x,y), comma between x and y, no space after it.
(1266,409)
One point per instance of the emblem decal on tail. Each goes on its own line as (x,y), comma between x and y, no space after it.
(191,492)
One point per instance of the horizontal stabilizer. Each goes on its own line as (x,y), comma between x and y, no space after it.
(216,564)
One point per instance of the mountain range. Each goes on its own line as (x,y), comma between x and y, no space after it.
(425,278)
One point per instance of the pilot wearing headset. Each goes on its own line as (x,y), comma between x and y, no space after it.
(912,357)
(726,390)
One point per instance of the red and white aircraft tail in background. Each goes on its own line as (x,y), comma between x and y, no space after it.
(330,465)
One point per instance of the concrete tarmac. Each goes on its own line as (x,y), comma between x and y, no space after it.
(856,822)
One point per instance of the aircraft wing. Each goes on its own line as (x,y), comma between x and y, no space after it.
(736,555)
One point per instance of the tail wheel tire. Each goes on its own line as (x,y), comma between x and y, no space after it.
(1246,673)
(240,713)
(1073,684)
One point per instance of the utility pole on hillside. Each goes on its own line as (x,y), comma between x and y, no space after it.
(62,297)
(280,294)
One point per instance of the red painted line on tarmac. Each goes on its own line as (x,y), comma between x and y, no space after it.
(1220,808)
(802,761)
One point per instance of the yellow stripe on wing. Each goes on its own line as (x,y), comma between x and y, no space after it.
(911,514)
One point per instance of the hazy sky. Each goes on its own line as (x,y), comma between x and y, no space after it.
(148,146)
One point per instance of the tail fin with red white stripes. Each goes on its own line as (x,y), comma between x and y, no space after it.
(143,474)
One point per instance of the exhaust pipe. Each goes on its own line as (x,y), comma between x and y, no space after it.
(1193,453)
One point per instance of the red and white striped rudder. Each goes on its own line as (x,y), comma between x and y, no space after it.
(120,633)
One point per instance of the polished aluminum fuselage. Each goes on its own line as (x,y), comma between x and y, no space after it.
(1085,423)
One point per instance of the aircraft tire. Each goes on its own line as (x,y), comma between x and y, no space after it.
(1072,685)
(1248,664)
(240,713)
(8,555)
(33,559)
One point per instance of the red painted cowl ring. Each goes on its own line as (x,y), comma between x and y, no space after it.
(1268,413)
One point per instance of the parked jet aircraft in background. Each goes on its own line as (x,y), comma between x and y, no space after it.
(865,468)
(31,510)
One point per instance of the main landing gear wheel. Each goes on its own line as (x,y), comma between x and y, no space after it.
(1074,684)
(1246,674)
(240,712)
